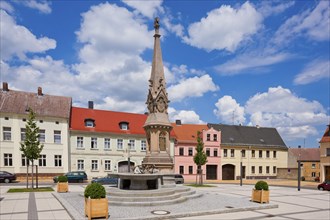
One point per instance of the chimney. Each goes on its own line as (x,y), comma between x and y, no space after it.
(40,91)
(178,122)
(90,104)
(5,87)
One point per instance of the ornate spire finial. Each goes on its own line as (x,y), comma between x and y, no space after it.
(156,23)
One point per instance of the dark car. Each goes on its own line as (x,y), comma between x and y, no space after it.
(324,186)
(7,177)
(106,180)
(75,176)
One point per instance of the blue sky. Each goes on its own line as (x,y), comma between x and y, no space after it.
(234,62)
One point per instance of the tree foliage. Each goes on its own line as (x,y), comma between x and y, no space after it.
(200,158)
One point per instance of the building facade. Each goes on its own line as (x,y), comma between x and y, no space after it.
(52,116)
(325,155)
(103,142)
(260,151)
(185,149)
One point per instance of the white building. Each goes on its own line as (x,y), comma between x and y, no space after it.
(102,142)
(52,115)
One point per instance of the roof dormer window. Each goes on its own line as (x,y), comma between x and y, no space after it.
(89,122)
(123,125)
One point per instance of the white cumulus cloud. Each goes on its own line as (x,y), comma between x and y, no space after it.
(229,111)
(313,72)
(224,28)
(148,8)
(186,116)
(42,6)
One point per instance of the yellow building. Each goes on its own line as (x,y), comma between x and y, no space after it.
(325,155)
(260,150)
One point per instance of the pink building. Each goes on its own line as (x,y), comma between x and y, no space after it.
(184,151)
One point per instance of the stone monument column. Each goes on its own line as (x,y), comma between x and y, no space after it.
(157,125)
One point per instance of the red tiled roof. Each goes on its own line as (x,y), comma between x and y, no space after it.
(108,121)
(18,102)
(326,136)
(306,154)
(188,132)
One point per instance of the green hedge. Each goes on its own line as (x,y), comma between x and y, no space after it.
(94,191)
(62,179)
(261,185)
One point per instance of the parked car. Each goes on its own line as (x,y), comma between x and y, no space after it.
(7,177)
(106,180)
(324,186)
(75,176)
(178,178)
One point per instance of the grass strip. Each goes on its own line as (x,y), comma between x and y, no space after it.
(40,189)
(198,185)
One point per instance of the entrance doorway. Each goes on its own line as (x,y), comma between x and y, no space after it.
(327,173)
(211,172)
(228,172)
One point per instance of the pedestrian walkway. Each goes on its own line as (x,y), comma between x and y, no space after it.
(33,205)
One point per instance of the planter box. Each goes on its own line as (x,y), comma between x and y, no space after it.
(96,208)
(261,196)
(62,187)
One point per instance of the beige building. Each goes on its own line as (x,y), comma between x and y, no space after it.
(325,155)
(52,115)
(261,151)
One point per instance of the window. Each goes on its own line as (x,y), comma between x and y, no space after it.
(328,152)
(123,125)
(23,130)
(260,169)
(57,137)
(313,165)
(190,151)
(208,152)
(24,161)
(243,153)
(42,136)
(253,169)
(93,143)
(80,142)
(313,174)
(89,122)
(143,145)
(6,133)
(107,143)
(8,160)
(181,151)
(119,144)
(80,165)
(274,169)
(253,153)
(274,154)
(215,137)
(95,165)
(190,169)
(267,169)
(224,152)
(107,165)
(131,144)
(215,152)
(267,153)
(42,160)
(58,160)
(260,153)
(181,169)
(208,137)
(232,153)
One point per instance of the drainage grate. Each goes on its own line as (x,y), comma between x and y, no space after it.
(229,207)
(160,212)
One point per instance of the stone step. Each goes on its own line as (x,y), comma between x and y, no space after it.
(140,193)
(141,199)
(148,203)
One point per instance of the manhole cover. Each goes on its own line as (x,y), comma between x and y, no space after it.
(160,212)
(229,207)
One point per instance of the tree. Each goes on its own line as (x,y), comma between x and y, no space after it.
(31,146)
(200,158)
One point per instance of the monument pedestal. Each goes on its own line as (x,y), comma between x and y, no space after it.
(162,162)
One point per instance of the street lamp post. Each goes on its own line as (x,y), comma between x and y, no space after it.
(299,169)
(241,170)
(129,157)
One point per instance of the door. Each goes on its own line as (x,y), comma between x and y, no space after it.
(228,172)
(211,172)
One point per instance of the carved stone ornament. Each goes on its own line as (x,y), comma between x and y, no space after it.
(161,105)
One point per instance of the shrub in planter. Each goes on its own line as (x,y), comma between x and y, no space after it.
(260,193)
(96,203)
(62,184)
